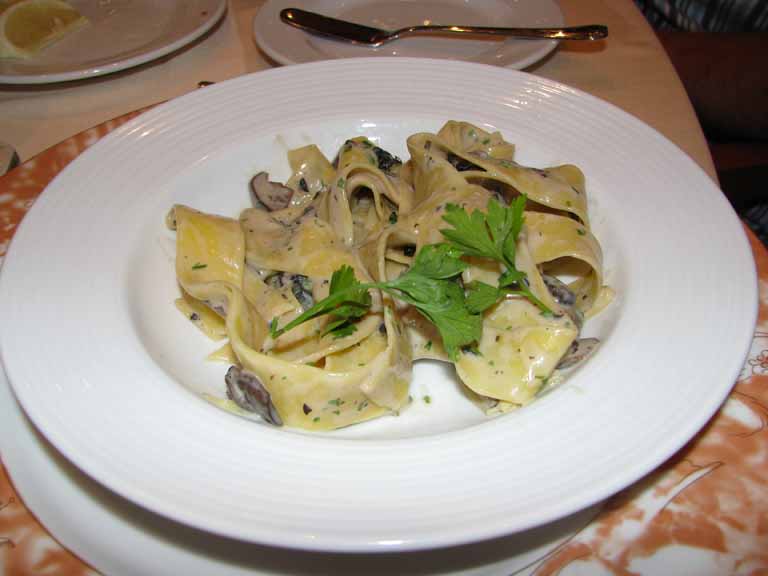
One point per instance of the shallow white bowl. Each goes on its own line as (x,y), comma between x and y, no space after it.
(111,373)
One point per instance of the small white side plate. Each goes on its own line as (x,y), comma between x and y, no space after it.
(288,45)
(121,34)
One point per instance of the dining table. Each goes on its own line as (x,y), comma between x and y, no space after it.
(703,511)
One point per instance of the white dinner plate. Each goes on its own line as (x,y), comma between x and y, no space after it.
(121,34)
(288,45)
(113,375)
(112,534)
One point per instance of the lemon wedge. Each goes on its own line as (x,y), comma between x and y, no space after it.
(28,26)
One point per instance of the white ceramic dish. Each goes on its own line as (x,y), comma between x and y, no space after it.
(122,34)
(288,45)
(111,373)
(118,538)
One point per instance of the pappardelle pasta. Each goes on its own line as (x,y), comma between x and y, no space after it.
(335,282)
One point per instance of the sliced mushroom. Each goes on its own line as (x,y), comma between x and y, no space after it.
(385,160)
(170,219)
(559,290)
(301,286)
(564,296)
(579,351)
(461,164)
(219,304)
(275,280)
(247,391)
(270,195)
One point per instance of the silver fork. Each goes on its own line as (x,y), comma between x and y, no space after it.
(368,36)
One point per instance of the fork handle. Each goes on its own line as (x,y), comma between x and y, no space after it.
(590,32)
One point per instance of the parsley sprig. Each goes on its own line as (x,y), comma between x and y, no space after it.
(431,284)
(347,301)
(491,235)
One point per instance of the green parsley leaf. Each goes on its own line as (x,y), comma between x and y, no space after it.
(347,300)
(340,328)
(430,286)
(516,213)
(510,277)
(457,326)
(470,233)
(438,261)
(358,302)
(481,296)
(492,235)
(442,302)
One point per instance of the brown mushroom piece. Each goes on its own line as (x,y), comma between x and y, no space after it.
(579,351)
(462,164)
(387,162)
(246,390)
(301,287)
(564,296)
(269,195)
(220,305)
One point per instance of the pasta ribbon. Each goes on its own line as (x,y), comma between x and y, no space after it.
(345,258)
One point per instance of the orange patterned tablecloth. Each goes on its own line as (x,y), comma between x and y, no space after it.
(707,507)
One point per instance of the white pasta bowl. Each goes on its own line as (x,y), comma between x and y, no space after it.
(113,375)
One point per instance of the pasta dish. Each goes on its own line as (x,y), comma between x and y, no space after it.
(333,283)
